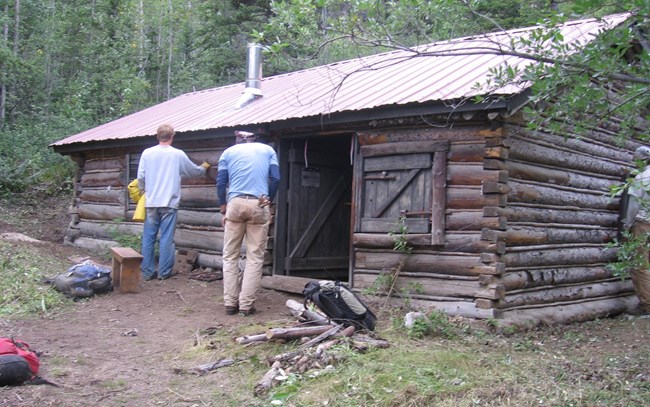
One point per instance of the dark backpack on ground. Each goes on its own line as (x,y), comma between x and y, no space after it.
(83,280)
(340,304)
(18,363)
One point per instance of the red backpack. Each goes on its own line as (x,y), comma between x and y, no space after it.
(18,363)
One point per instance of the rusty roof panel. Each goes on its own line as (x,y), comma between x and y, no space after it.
(444,71)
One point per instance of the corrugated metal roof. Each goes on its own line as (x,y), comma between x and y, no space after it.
(442,71)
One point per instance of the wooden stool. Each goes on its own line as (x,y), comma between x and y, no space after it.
(126,269)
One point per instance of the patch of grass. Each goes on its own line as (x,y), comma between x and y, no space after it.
(23,268)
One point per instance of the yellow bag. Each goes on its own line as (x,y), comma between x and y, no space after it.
(138,197)
(140,210)
(134,191)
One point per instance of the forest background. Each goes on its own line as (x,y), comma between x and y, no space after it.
(67,66)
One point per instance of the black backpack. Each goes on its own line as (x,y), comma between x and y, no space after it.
(340,304)
(83,280)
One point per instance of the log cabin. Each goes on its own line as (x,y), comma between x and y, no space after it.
(493,220)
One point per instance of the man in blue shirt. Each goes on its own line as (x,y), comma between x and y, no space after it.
(250,172)
(159,176)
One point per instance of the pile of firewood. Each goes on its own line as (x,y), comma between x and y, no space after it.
(317,335)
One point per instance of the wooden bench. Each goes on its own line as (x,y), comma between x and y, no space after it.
(126,269)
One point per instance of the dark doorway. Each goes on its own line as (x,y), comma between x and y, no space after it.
(313,224)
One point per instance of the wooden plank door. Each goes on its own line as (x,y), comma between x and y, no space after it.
(404,179)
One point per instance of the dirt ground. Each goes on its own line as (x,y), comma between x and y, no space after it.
(128,349)
(122,349)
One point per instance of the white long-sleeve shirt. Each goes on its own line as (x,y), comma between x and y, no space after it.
(159,175)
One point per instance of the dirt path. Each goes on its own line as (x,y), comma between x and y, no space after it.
(122,349)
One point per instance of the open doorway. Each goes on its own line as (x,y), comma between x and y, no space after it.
(312,236)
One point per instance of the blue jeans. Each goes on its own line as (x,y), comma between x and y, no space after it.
(163,219)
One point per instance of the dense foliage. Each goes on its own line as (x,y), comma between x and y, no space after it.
(66,66)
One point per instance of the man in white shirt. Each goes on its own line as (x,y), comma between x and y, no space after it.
(159,176)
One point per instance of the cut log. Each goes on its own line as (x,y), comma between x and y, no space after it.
(298,310)
(242,340)
(289,333)
(320,338)
(208,367)
(266,383)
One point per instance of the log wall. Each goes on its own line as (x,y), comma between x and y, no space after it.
(447,275)
(528,220)
(102,209)
(559,218)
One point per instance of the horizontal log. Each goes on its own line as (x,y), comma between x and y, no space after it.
(285,283)
(210,260)
(199,239)
(243,340)
(531,277)
(298,332)
(454,242)
(560,256)
(94,245)
(100,212)
(555,176)
(561,157)
(471,198)
(105,164)
(566,313)
(529,235)
(554,214)
(420,262)
(108,230)
(198,196)
(103,179)
(103,195)
(584,144)
(472,220)
(407,147)
(470,152)
(453,308)
(548,295)
(548,195)
(386,225)
(405,285)
(473,174)
(198,217)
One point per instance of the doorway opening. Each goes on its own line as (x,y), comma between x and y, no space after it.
(312,238)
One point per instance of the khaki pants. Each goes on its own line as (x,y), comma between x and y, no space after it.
(641,275)
(244,220)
